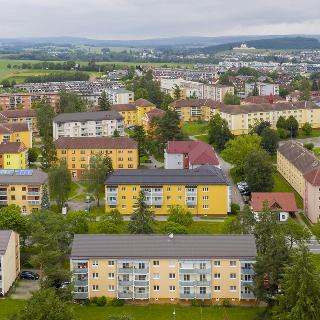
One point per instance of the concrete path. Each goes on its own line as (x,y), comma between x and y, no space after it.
(24,289)
(155,164)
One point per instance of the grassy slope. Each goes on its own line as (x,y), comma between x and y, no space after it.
(155,312)
(195,128)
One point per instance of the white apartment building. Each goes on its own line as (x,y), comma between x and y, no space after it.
(88,124)
(115,96)
(265,89)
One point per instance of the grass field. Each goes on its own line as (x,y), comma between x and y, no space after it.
(143,312)
(195,128)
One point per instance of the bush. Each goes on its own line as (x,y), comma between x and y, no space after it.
(175,228)
(180,216)
(197,303)
(226,303)
(309,146)
(102,301)
(116,302)
(283,133)
(94,300)
(235,208)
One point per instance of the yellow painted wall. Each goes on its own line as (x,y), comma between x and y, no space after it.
(23,136)
(13,160)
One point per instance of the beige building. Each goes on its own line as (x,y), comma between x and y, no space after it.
(242,118)
(9,260)
(301,168)
(162,269)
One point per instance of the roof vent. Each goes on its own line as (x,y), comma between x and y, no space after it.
(171,236)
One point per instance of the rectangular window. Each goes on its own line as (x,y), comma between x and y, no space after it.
(24,188)
(156,276)
(172,288)
(216,288)
(217,276)
(172,275)
(95,275)
(205,189)
(216,263)
(233,288)
(233,263)
(205,206)
(110,275)
(233,276)
(203,290)
(156,263)
(205,198)
(111,287)
(156,288)
(186,290)
(95,287)
(95,263)
(110,263)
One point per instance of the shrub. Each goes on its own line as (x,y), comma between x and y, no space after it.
(94,300)
(235,208)
(116,302)
(309,146)
(226,303)
(180,216)
(175,228)
(102,301)
(283,133)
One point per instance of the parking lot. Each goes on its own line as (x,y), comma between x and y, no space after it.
(24,289)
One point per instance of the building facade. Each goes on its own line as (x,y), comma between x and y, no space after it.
(264,89)
(22,188)
(16,132)
(9,260)
(13,155)
(149,116)
(162,269)
(87,124)
(77,152)
(134,112)
(203,191)
(241,119)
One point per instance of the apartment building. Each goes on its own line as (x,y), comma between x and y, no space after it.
(28,116)
(301,168)
(193,109)
(22,188)
(16,132)
(242,118)
(77,152)
(264,89)
(134,112)
(189,155)
(162,269)
(203,191)
(9,260)
(149,116)
(13,155)
(87,124)
(10,101)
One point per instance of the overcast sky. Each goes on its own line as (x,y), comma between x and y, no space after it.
(140,19)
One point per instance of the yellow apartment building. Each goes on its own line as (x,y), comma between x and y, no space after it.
(22,188)
(13,155)
(203,191)
(242,118)
(164,269)
(76,152)
(9,260)
(134,112)
(28,116)
(16,132)
(148,117)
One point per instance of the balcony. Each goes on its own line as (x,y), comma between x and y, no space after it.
(247,296)
(141,283)
(3,193)
(203,295)
(80,270)
(78,282)
(187,296)
(204,283)
(125,270)
(34,202)
(247,271)
(33,193)
(122,295)
(3,202)
(112,202)
(141,271)
(141,296)
(203,271)
(184,270)
(80,295)
(190,283)
(125,283)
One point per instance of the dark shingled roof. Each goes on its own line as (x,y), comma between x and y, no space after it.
(161,246)
(202,175)
(37,177)
(4,240)
(193,103)
(95,143)
(24,113)
(13,127)
(87,116)
(12,147)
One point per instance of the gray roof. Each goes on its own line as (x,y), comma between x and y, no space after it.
(13,177)
(205,174)
(87,116)
(161,246)
(4,240)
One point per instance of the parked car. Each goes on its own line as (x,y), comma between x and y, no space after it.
(243,188)
(29,275)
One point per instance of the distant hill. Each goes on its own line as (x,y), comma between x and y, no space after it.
(274,43)
(211,44)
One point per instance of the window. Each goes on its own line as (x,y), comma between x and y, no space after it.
(186,290)
(123,188)
(216,288)
(23,197)
(233,275)
(205,189)
(156,276)
(217,276)
(95,263)
(216,263)
(13,197)
(95,287)
(156,288)
(172,288)
(156,263)
(172,264)
(110,263)
(233,263)
(205,206)
(95,275)
(233,288)
(203,290)
(13,189)
(110,275)
(205,198)
(24,188)
(172,275)
(134,189)
(168,189)
(186,277)
(111,287)
(123,197)
(203,265)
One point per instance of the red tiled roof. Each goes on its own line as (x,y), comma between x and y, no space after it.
(143,103)
(313,176)
(200,153)
(95,143)
(131,106)
(155,113)
(193,103)
(263,99)
(12,147)
(277,201)
(13,127)
(24,113)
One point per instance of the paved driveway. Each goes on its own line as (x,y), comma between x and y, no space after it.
(24,289)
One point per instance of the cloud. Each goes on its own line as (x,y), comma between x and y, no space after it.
(140,19)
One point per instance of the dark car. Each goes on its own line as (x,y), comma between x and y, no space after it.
(29,275)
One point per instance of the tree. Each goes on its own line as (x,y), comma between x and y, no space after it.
(304,88)
(71,102)
(258,171)
(255,91)
(300,286)
(116,133)
(167,99)
(270,140)
(45,115)
(45,304)
(32,155)
(45,201)
(231,99)
(174,228)
(225,80)
(315,86)
(281,123)
(242,223)
(49,152)
(60,184)
(283,92)
(139,135)
(78,222)
(180,216)
(103,102)
(292,126)
(11,218)
(219,133)
(260,126)
(177,92)
(307,129)
(111,222)
(142,219)
(99,168)
(237,150)
(295,233)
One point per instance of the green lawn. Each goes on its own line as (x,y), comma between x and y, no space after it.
(314,133)
(195,128)
(74,189)
(203,138)
(281,185)
(143,312)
